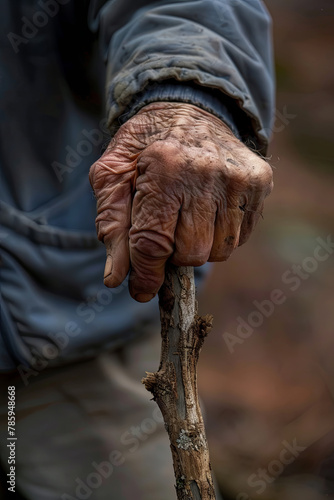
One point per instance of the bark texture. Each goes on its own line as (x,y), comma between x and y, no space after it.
(174,386)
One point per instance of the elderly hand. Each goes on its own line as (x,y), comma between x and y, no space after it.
(174,183)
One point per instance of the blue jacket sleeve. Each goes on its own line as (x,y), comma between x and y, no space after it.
(221,46)
(173,91)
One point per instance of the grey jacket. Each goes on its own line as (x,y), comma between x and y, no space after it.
(72,71)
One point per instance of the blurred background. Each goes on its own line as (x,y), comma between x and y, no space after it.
(266,373)
(268,385)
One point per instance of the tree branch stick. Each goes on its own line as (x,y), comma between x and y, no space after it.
(174,386)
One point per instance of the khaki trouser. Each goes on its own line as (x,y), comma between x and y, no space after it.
(90,430)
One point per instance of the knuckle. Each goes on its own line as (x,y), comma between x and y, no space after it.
(164,152)
(106,225)
(267,172)
(151,245)
(246,170)
(263,175)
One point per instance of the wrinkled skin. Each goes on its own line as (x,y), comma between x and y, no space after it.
(174,183)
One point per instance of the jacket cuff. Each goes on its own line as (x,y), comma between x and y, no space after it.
(174,91)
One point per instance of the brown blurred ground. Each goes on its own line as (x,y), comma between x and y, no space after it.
(278,385)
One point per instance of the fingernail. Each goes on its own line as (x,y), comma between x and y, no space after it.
(108,267)
(144,297)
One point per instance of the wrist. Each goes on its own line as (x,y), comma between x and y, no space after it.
(171,110)
(172,91)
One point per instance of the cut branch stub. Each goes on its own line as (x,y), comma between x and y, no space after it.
(174,386)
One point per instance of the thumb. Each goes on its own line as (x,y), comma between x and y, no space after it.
(113,178)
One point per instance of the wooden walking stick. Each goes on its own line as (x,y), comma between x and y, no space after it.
(174,385)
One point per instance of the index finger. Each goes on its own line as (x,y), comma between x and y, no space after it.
(154,218)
